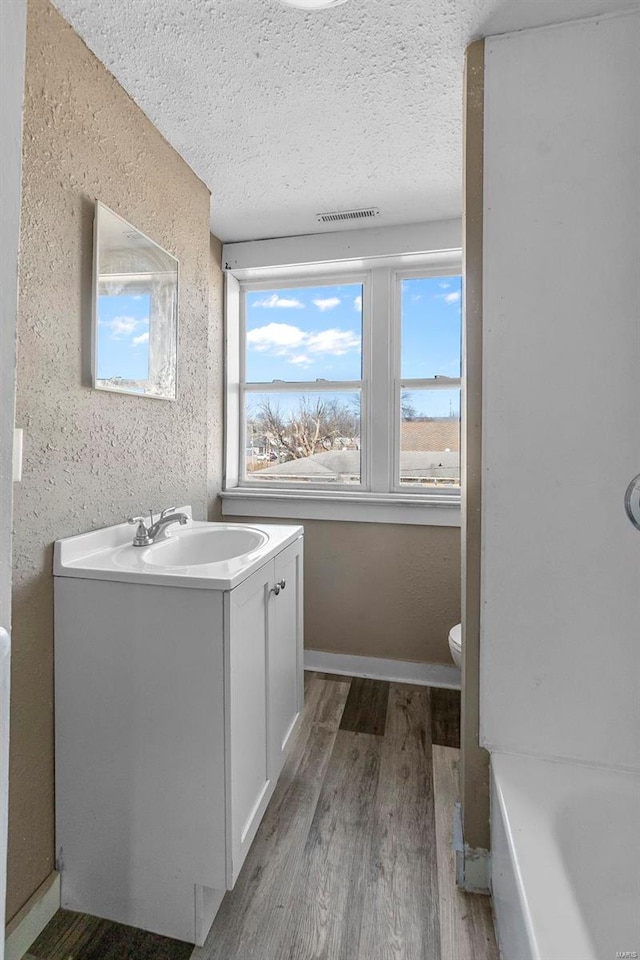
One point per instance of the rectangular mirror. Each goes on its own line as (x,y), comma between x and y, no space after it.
(135,311)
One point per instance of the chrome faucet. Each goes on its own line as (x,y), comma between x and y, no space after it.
(148,535)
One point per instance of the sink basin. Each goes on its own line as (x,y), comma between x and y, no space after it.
(202,555)
(197,546)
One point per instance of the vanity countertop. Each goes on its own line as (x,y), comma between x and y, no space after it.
(109,554)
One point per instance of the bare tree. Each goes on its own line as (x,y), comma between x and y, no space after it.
(312,427)
(408,411)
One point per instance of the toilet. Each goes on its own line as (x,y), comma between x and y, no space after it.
(455,644)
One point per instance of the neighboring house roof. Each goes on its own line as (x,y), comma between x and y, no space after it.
(426,435)
(336,463)
(329,463)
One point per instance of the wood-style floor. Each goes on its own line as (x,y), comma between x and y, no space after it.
(353,859)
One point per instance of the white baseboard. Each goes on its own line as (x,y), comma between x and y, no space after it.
(28,923)
(399,671)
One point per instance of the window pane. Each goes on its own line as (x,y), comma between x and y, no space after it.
(431,327)
(304,333)
(430,438)
(303,437)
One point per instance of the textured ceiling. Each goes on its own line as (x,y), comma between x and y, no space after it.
(285,114)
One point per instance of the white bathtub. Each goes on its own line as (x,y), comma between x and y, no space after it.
(565,855)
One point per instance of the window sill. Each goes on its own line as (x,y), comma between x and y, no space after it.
(441,511)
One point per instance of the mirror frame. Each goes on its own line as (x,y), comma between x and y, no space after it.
(96,385)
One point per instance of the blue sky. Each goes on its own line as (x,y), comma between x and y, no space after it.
(123,336)
(431,327)
(306,333)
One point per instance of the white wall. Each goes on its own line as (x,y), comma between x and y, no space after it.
(12,50)
(560,629)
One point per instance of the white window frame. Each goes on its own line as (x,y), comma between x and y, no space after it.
(307,386)
(400,383)
(379,497)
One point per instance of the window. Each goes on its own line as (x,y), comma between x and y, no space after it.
(429,383)
(302,384)
(346,386)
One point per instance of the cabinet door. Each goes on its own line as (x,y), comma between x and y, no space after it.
(285,653)
(247,753)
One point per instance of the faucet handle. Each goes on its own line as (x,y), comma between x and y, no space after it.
(141,538)
(166,511)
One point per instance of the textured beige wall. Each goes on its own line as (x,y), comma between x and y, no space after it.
(91,458)
(380,590)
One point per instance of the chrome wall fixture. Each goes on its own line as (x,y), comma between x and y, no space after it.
(632,501)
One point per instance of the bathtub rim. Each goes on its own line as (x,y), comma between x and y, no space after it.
(526,792)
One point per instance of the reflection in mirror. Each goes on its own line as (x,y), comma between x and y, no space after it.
(135,307)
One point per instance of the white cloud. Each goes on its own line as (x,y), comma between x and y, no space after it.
(444,285)
(143,338)
(123,326)
(120,326)
(279,336)
(275,301)
(334,342)
(296,345)
(357,303)
(327,304)
(452,297)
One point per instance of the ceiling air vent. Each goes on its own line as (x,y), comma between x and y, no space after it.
(337,216)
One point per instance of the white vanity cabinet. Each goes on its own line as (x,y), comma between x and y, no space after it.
(264,617)
(174,706)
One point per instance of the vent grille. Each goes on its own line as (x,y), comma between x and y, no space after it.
(336,216)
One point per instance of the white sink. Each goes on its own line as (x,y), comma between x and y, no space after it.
(196,546)
(213,556)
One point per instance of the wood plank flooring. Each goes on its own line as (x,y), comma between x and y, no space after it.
(253,917)
(71,936)
(400,918)
(352,860)
(366,708)
(445,717)
(466,927)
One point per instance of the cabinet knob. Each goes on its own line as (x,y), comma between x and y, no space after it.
(283,584)
(280,585)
